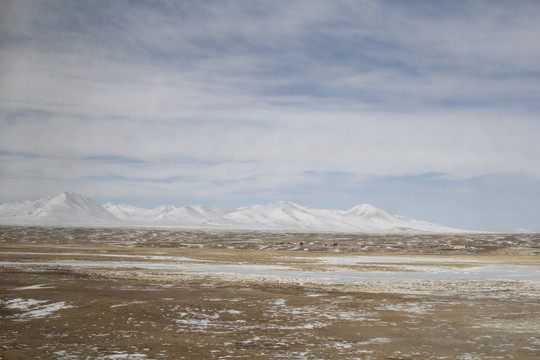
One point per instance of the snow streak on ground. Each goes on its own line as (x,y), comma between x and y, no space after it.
(34,309)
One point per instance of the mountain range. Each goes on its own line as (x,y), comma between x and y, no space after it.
(76,210)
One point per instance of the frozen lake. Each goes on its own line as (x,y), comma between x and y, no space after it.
(387,268)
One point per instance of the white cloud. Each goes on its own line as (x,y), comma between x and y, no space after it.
(240,99)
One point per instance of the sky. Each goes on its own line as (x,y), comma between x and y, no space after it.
(428,109)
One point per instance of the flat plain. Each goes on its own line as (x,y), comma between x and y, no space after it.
(143,293)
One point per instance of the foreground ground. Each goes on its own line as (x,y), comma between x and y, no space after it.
(70,293)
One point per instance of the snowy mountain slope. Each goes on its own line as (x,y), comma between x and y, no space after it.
(194,214)
(368,212)
(132,213)
(16,209)
(286,215)
(404,223)
(379,218)
(362,218)
(275,215)
(167,214)
(73,208)
(67,207)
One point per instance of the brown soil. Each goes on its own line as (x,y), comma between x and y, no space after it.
(139,313)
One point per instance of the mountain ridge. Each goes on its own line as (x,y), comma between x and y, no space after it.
(70,208)
(66,207)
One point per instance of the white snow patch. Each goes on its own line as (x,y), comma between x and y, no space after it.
(22,304)
(410,308)
(128,303)
(62,354)
(124,355)
(354,260)
(375,341)
(34,287)
(234,312)
(34,309)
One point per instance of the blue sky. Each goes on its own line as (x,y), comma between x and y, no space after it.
(429,109)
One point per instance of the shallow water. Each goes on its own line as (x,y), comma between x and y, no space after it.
(487,271)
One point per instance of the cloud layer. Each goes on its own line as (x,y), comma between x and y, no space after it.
(410,106)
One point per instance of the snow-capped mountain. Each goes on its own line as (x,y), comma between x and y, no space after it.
(68,207)
(275,215)
(189,215)
(132,213)
(368,212)
(167,214)
(362,218)
(71,208)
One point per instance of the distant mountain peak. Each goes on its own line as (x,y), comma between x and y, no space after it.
(368,211)
(364,207)
(284,204)
(66,207)
(72,208)
(71,194)
(72,198)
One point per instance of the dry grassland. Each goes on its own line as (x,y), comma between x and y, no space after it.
(68,293)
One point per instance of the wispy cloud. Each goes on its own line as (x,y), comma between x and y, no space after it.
(243,101)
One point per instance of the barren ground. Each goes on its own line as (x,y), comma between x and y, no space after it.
(72,293)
